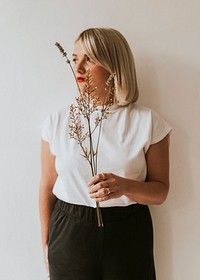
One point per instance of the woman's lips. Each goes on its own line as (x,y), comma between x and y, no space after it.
(80,79)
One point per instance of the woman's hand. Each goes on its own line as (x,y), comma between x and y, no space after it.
(45,254)
(152,191)
(106,186)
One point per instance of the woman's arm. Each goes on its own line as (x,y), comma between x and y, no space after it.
(153,191)
(46,197)
(156,187)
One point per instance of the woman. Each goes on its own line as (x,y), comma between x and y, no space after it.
(133,172)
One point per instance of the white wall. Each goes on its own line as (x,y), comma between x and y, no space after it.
(34,80)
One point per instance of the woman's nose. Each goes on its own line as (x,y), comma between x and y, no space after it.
(80,68)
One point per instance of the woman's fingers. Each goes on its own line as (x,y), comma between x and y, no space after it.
(107,197)
(98,178)
(101,192)
(106,186)
(98,186)
(103,186)
(46,259)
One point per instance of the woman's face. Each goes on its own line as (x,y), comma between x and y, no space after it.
(83,64)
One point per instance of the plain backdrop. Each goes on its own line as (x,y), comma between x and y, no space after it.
(34,81)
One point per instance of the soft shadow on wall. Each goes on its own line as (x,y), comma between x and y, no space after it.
(164,87)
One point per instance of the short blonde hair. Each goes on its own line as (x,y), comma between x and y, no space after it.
(109,48)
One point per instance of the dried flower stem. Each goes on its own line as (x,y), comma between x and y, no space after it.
(68,61)
(87,104)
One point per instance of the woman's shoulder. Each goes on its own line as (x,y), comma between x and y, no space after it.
(144,113)
(60,111)
(139,109)
(152,120)
(58,115)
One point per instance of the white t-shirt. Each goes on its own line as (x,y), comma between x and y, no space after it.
(125,138)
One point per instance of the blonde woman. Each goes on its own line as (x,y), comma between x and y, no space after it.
(133,173)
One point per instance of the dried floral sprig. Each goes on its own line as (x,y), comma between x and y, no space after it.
(64,53)
(86,105)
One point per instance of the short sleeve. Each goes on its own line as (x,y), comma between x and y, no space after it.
(48,129)
(45,129)
(160,128)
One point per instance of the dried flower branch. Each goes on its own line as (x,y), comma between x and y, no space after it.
(68,61)
(87,105)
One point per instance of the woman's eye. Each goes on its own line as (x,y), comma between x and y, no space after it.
(74,60)
(89,59)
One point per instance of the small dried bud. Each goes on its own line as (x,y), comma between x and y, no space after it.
(62,51)
(111,77)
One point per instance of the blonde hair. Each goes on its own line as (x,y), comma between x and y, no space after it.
(109,48)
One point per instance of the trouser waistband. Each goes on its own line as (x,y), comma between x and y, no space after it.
(109,214)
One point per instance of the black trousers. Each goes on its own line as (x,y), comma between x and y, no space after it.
(121,250)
